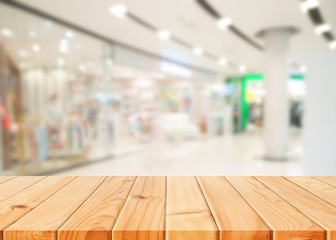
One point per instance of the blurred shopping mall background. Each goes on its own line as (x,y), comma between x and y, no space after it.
(168,87)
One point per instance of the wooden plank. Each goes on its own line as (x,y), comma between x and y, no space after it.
(317,209)
(25,201)
(15,185)
(143,216)
(329,180)
(97,216)
(5,179)
(48,217)
(188,215)
(285,220)
(319,188)
(234,217)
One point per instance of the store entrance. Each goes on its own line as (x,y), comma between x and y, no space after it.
(253,99)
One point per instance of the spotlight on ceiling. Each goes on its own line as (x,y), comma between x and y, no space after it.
(7,32)
(223,61)
(224,23)
(332,45)
(32,34)
(308,5)
(303,69)
(198,51)
(36,48)
(163,34)
(322,29)
(242,69)
(64,46)
(69,34)
(118,11)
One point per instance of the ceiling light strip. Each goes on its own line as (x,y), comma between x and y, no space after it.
(197,50)
(212,12)
(143,23)
(108,40)
(209,9)
(311,7)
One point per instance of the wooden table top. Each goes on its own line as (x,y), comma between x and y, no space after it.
(172,208)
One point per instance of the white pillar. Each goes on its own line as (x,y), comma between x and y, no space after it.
(276,109)
(320,115)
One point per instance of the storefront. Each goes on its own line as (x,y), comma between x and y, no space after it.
(68,98)
(253,95)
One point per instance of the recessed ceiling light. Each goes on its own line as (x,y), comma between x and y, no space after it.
(332,45)
(242,69)
(224,23)
(82,68)
(309,4)
(303,69)
(322,29)
(164,34)
(198,51)
(32,34)
(36,48)
(223,61)
(64,46)
(69,34)
(118,10)
(7,32)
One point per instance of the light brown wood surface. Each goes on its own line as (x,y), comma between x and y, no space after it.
(330,180)
(27,200)
(319,188)
(15,185)
(143,216)
(39,225)
(285,220)
(313,206)
(235,218)
(5,179)
(95,219)
(188,215)
(167,208)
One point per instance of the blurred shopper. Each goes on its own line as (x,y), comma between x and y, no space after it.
(54,120)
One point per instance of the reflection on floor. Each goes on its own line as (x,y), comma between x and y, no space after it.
(240,154)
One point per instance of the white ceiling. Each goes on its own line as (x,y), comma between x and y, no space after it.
(187,21)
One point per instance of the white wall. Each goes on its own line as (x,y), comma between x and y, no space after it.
(320,115)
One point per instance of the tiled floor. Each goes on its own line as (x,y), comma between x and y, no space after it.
(240,154)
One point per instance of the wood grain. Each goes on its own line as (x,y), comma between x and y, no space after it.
(319,188)
(27,200)
(15,185)
(234,217)
(188,215)
(285,220)
(96,217)
(5,179)
(48,217)
(143,215)
(329,180)
(173,208)
(317,209)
